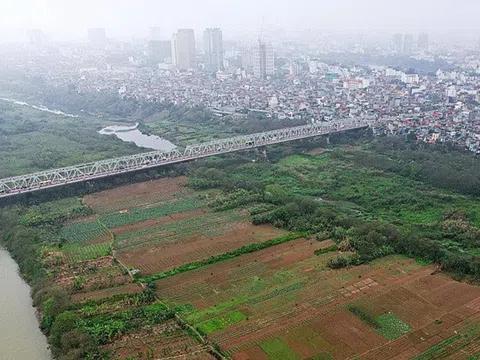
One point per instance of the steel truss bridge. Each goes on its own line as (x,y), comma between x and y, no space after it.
(95,170)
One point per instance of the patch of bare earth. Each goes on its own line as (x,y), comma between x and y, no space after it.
(195,247)
(137,195)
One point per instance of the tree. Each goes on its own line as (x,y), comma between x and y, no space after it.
(63,323)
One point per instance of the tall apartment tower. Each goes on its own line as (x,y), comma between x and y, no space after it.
(263,60)
(423,41)
(398,43)
(213,42)
(184,55)
(407,43)
(155,33)
(97,37)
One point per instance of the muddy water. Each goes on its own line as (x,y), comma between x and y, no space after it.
(20,336)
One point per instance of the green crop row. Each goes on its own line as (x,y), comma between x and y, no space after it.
(76,252)
(138,215)
(229,255)
(83,232)
(207,223)
(326,250)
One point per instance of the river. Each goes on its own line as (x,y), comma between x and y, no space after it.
(132,134)
(41,107)
(20,335)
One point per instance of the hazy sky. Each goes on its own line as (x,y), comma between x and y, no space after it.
(64,19)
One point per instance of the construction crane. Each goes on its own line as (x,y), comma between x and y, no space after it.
(261,31)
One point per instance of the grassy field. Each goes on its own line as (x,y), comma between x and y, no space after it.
(33,140)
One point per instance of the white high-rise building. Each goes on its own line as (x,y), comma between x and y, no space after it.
(184,55)
(263,60)
(213,43)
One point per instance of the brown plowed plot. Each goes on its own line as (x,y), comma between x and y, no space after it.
(137,195)
(195,247)
(161,342)
(283,302)
(196,235)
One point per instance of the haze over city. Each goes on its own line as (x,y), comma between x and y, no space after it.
(67,20)
(239,179)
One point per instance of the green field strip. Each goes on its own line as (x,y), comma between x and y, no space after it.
(77,252)
(276,349)
(391,327)
(83,232)
(201,224)
(275,293)
(139,215)
(201,316)
(221,322)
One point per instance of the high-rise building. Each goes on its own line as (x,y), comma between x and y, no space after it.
(36,37)
(184,55)
(407,43)
(398,43)
(159,50)
(213,43)
(263,60)
(423,41)
(155,33)
(97,37)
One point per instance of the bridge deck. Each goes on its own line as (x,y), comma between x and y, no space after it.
(73,174)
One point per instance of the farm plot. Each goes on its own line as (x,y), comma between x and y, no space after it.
(93,275)
(138,195)
(76,252)
(116,219)
(84,232)
(162,248)
(284,300)
(96,230)
(164,341)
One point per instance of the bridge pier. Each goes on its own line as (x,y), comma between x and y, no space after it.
(328,139)
(261,154)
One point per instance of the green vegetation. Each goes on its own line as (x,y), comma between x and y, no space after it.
(277,349)
(391,327)
(83,232)
(366,211)
(221,322)
(364,316)
(326,250)
(226,256)
(118,219)
(388,325)
(32,140)
(77,252)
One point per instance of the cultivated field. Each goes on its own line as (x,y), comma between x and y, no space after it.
(280,302)
(283,303)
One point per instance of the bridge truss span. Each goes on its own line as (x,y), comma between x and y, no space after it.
(73,174)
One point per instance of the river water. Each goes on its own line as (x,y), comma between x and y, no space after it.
(41,107)
(132,134)
(20,335)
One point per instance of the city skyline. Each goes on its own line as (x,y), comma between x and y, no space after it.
(127,18)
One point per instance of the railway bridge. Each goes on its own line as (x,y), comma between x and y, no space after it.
(99,169)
